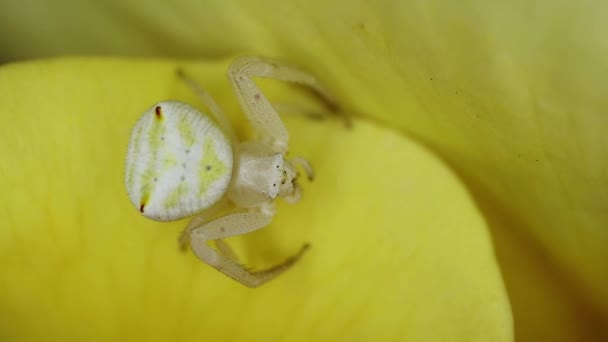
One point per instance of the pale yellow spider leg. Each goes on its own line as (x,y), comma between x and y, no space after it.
(285,72)
(200,219)
(297,109)
(226,250)
(258,109)
(232,225)
(210,103)
(305,165)
(296,196)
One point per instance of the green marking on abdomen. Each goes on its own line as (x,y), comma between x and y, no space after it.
(174,196)
(169,162)
(155,141)
(156,134)
(185,131)
(211,167)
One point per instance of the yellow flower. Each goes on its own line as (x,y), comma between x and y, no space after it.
(510,98)
(399,249)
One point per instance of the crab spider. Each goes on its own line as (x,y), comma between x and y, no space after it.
(181,163)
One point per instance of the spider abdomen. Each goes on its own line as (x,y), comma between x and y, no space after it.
(179,162)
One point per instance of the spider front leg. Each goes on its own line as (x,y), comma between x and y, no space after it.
(208,101)
(232,225)
(258,109)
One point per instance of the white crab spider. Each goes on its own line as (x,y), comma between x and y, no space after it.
(181,163)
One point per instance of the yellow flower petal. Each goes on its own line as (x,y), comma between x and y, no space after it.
(400,251)
(511,96)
